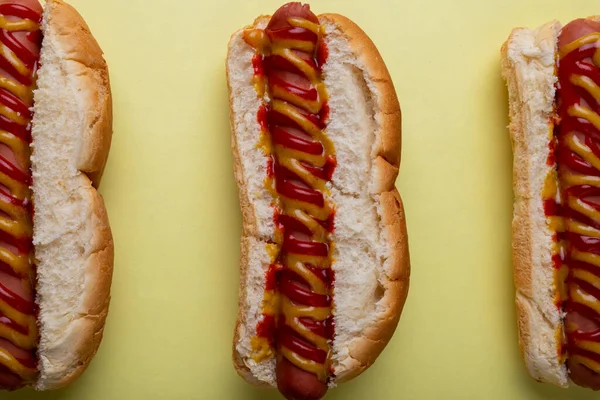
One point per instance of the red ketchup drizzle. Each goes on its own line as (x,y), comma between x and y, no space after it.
(267,326)
(282,137)
(16,302)
(551,161)
(309,94)
(551,208)
(289,185)
(22,245)
(257,65)
(288,338)
(4,320)
(292,33)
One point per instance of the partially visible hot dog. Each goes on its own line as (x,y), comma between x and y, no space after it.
(56,262)
(555,114)
(304,170)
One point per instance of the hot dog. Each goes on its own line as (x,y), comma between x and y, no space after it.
(324,256)
(56,248)
(553,77)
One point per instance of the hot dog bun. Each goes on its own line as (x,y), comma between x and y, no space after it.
(72,129)
(529,63)
(371,251)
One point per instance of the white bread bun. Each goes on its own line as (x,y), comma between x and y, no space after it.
(371,251)
(71,131)
(528,65)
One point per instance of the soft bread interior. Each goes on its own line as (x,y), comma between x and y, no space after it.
(369,289)
(528,65)
(73,242)
(363,245)
(256,207)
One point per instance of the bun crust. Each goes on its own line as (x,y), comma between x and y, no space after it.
(372,195)
(80,46)
(528,65)
(73,242)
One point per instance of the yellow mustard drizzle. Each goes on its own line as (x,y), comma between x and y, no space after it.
(15,366)
(582,41)
(16,221)
(308,214)
(25,25)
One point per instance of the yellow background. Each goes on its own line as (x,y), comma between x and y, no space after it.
(172,200)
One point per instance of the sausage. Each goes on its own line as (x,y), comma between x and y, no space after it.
(279,19)
(576,29)
(297,384)
(14,284)
(294,382)
(580,319)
